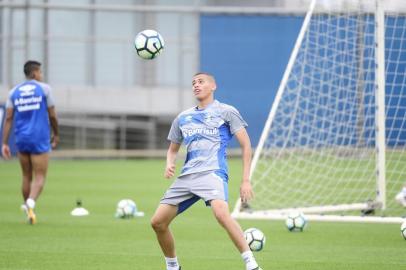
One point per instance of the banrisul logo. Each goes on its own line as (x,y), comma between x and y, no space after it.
(203,131)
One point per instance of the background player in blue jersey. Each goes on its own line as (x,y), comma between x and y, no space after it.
(31,106)
(205,130)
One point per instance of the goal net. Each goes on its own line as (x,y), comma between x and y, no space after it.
(335,139)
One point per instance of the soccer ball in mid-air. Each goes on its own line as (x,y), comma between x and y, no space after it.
(403,230)
(296,221)
(149,44)
(255,239)
(126,208)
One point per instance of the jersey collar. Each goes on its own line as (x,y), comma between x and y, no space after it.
(208,106)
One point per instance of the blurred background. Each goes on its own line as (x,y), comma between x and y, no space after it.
(108,98)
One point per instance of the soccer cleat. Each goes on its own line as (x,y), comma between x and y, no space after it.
(32,219)
(258,268)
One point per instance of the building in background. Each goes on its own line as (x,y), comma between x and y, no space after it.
(108,98)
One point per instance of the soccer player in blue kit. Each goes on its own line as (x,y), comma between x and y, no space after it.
(205,130)
(32,107)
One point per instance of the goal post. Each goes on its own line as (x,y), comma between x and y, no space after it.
(334,142)
(380,104)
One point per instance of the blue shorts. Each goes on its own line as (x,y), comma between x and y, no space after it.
(188,189)
(33,148)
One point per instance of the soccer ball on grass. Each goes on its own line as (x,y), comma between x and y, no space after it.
(149,44)
(296,221)
(255,239)
(126,208)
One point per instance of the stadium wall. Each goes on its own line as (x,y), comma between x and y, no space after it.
(247,55)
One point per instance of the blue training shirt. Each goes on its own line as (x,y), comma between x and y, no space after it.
(30,102)
(206,133)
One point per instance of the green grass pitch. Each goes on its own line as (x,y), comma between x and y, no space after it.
(99,241)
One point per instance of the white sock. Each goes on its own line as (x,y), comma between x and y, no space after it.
(30,203)
(250,262)
(172,263)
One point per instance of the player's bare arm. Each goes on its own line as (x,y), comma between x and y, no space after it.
(54,125)
(245,189)
(5,149)
(171,160)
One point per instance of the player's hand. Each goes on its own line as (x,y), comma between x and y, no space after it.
(5,151)
(169,171)
(246,193)
(54,141)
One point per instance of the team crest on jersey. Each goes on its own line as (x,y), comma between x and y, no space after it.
(208,118)
(213,120)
